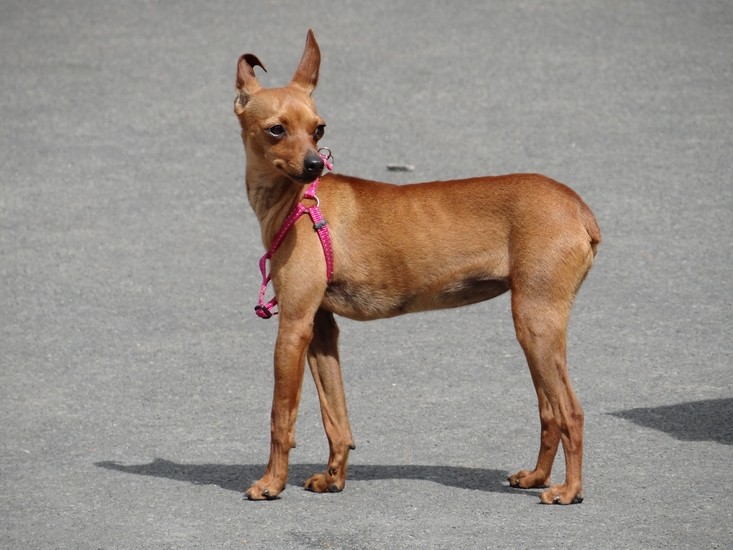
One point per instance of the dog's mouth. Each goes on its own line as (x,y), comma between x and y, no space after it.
(303,176)
(308,170)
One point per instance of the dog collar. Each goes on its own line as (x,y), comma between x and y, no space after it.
(320,226)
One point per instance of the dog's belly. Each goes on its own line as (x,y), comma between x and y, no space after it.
(367,301)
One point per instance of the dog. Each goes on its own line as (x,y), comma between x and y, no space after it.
(377,250)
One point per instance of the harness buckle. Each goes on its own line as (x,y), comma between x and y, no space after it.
(263,312)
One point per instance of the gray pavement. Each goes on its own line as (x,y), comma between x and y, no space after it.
(135,381)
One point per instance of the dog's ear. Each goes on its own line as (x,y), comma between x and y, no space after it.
(306,75)
(247,83)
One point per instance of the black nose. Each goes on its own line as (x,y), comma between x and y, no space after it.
(313,164)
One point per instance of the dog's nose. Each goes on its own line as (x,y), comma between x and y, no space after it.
(313,164)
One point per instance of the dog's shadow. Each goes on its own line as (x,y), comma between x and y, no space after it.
(236,477)
(709,420)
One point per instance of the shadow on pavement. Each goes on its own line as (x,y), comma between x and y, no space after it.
(238,477)
(710,420)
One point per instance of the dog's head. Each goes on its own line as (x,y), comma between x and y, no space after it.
(281,126)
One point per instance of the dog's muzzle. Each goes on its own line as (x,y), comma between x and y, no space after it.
(312,166)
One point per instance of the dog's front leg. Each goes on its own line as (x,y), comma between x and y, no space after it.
(323,359)
(293,338)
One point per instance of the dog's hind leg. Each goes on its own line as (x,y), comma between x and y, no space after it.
(293,339)
(542,296)
(541,332)
(323,360)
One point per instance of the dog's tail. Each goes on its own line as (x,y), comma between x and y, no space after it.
(591,226)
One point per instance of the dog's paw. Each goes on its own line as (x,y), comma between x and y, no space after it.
(324,483)
(525,479)
(261,491)
(562,494)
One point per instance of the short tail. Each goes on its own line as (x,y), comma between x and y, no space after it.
(591,226)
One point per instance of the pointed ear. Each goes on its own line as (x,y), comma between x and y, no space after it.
(247,83)
(306,75)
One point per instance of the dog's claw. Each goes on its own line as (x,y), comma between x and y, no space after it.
(576,500)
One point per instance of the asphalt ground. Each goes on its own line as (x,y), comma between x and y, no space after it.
(135,380)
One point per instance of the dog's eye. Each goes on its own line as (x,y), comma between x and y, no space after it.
(276,131)
(318,134)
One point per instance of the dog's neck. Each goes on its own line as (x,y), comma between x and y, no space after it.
(271,198)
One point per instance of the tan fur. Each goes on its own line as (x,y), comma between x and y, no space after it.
(401,249)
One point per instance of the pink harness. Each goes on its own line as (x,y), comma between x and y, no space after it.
(264,310)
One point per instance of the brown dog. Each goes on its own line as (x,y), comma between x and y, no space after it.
(400,249)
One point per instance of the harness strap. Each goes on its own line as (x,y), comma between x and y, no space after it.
(320,226)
